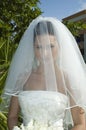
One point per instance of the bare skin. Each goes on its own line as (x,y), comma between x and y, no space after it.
(13,113)
(78,113)
(36,81)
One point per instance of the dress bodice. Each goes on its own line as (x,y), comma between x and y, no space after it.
(42,106)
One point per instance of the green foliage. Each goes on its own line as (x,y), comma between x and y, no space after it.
(7,50)
(15,16)
(3,121)
(75,27)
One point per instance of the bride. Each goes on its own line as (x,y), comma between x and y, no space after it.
(47,79)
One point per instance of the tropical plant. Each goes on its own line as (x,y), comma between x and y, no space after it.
(3,121)
(75,27)
(15,16)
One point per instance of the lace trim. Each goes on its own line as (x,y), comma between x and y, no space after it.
(34,125)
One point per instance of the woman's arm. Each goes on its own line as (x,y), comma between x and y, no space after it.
(78,115)
(13,113)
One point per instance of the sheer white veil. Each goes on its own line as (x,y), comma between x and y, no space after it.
(71,77)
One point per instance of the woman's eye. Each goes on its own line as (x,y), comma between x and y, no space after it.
(38,47)
(52,46)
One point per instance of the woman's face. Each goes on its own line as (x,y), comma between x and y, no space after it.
(45,47)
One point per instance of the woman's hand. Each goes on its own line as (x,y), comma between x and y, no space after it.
(79,120)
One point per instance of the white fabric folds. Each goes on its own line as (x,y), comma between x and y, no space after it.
(48,59)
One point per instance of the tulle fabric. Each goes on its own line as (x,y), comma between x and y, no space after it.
(65,74)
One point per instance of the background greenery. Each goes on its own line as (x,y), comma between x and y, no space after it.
(15,16)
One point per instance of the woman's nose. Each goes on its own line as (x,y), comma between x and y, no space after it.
(47,52)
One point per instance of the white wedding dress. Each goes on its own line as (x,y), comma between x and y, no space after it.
(42,110)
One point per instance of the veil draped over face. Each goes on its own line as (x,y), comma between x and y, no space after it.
(48,59)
